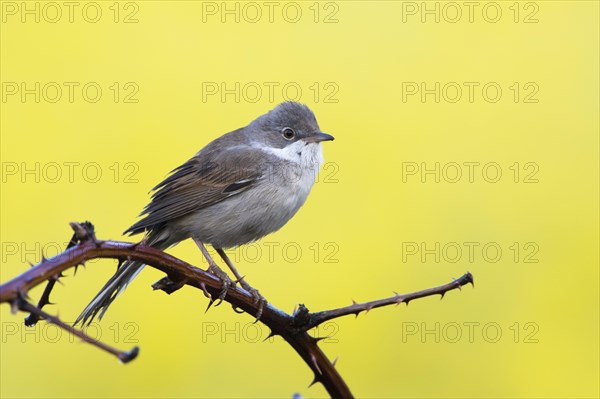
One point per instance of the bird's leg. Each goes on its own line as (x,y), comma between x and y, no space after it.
(231,266)
(216,270)
(258,299)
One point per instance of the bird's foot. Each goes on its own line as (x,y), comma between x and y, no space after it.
(258,298)
(227,282)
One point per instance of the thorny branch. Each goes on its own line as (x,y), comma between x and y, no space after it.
(292,328)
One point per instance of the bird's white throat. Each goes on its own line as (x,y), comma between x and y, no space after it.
(307,155)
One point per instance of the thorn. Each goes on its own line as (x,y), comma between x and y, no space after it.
(354,302)
(356,313)
(442,295)
(368,308)
(44,259)
(399,299)
(314,381)
(334,361)
(470,279)
(271,335)
(315,340)
(210,303)
(30,264)
(457,283)
(82,264)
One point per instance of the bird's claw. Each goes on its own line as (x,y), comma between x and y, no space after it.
(227,282)
(262,303)
(258,298)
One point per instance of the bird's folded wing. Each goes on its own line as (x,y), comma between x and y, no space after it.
(201,182)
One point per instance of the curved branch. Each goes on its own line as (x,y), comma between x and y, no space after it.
(279,322)
(292,328)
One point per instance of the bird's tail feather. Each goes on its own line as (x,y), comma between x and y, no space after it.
(113,287)
(117,283)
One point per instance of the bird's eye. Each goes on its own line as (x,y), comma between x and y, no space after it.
(288,133)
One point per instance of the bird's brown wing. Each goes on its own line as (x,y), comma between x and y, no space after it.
(204,180)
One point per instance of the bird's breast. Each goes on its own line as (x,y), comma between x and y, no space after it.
(265,206)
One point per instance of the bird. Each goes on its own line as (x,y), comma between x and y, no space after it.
(240,187)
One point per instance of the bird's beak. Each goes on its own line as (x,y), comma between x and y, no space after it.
(318,137)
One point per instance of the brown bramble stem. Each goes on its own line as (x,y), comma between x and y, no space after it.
(292,328)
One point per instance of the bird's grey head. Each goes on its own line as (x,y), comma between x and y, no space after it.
(287,124)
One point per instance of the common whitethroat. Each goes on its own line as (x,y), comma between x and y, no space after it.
(242,186)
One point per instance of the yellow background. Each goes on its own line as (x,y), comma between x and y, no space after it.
(365,209)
